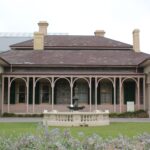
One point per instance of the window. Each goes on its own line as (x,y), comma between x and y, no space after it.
(82,91)
(21,93)
(45,93)
(106,92)
(62,89)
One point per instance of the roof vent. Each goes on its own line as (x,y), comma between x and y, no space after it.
(100,33)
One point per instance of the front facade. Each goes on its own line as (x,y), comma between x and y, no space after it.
(49,71)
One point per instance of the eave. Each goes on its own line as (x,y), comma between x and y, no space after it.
(4,62)
(72,65)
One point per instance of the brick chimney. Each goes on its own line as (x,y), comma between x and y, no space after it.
(38,43)
(100,33)
(43,27)
(136,40)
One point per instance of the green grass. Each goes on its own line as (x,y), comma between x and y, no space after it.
(113,130)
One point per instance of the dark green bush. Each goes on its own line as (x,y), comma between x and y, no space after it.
(21,115)
(135,114)
(8,115)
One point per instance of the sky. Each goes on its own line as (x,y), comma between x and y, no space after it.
(80,17)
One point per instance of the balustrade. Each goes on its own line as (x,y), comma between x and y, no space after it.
(55,118)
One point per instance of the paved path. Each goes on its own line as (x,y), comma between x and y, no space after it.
(130,120)
(15,119)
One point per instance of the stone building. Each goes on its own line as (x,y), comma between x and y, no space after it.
(48,71)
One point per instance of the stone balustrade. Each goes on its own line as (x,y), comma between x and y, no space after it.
(76,118)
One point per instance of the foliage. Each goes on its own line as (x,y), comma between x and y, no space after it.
(21,115)
(135,114)
(56,139)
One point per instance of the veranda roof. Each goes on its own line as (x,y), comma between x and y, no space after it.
(74,57)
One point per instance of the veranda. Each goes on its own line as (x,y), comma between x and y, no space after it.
(35,93)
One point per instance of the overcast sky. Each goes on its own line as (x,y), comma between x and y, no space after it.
(79,17)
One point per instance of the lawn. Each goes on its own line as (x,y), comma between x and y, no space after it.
(113,130)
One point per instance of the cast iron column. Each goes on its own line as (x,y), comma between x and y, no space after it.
(27,85)
(90,93)
(2,94)
(33,96)
(8,95)
(95,93)
(71,92)
(52,92)
(120,95)
(144,93)
(114,85)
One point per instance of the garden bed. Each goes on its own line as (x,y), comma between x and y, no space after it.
(56,139)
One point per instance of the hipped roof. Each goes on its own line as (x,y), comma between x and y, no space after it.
(75,41)
(66,50)
(74,57)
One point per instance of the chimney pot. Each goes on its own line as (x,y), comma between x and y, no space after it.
(136,40)
(43,27)
(100,33)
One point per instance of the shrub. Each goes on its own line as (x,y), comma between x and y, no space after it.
(21,115)
(136,114)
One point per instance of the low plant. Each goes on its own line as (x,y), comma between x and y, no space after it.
(135,114)
(21,115)
(56,139)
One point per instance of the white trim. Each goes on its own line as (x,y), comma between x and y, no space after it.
(27,94)
(71,90)
(33,95)
(77,76)
(8,100)
(114,94)
(99,80)
(42,78)
(130,78)
(90,94)
(18,78)
(96,93)
(2,94)
(120,93)
(84,78)
(138,94)
(61,78)
(52,85)
(144,103)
